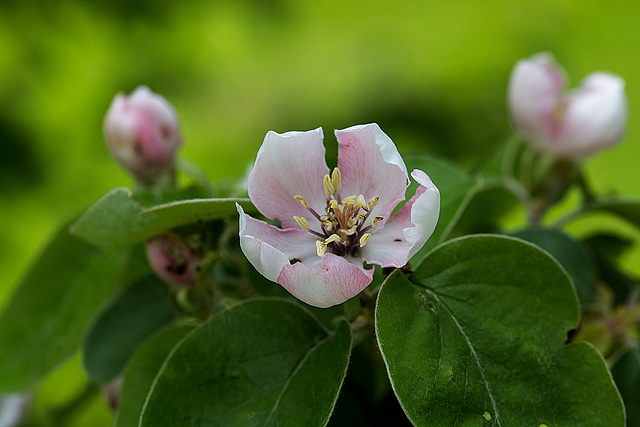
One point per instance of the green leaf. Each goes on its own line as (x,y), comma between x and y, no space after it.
(626,208)
(116,219)
(479,340)
(456,189)
(123,326)
(626,373)
(142,370)
(263,362)
(44,320)
(571,254)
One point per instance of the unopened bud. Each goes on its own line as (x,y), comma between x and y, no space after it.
(143,134)
(570,125)
(173,260)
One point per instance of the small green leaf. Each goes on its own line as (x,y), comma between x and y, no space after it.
(44,321)
(262,362)
(142,370)
(571,255)
(626,373)
(117,219)
(123,326)
(456,189)
(481,335)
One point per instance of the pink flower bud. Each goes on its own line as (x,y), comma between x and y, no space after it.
(173,260)
(142,132)
(570,125)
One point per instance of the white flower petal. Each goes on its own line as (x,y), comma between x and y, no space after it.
(287,165)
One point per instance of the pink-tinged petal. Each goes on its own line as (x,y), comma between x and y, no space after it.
(287,165)
(331,281)
(408,229)
(596,116)
(269,248)
(535,89)
(371,165)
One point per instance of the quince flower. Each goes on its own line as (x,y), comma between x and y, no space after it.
(333,222)
(143,134)
(569,125)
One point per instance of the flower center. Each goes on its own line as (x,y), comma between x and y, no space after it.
(342,229)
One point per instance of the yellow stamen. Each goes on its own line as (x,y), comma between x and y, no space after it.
(328,187)
(336,179)
(349,231)
(335,206)
(361,202)
(360,216)
(373,202)
(364,239)
(331,239)
(302,222)
(302,201)
(321,248)
(349,201)
(328,225)
(376,220)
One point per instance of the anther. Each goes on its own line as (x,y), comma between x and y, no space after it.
(349,201)
(361,202)
(373,202)
(334,204)
(349,231)
(331,239)
(360,216)
(302,222)
(328,186)
(336,179)
(376,220)
(364,239)
(321,248)
(302,201)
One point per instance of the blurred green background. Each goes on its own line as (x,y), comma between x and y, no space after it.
(433,74)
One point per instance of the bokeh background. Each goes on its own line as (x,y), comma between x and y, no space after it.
(433,74)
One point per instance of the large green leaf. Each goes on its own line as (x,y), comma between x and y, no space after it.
(123,325)
(263,362)
(142,370)
(118,219)
(456,189)
(626,372)
(571,254)
(43,322)
(479,340)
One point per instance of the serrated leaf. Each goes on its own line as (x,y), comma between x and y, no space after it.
(626,373)
(43,322)
(478,340)
(456,189)
(117,219)
(142,370)
(262,362)
(122,326)
(571,255)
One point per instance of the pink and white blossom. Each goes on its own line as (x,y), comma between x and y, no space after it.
(570,125)
(333,222)
(143,134)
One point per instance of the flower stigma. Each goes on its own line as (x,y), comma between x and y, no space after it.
(342,226)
